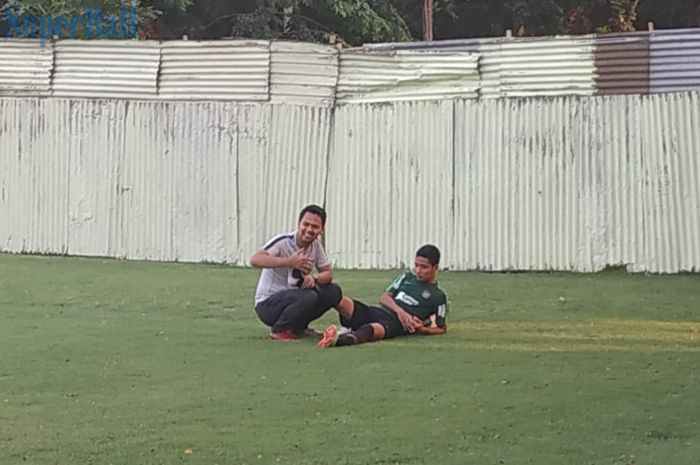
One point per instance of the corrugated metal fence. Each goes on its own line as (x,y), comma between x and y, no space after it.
(567,183)
(312,74)
(230,70)
(639,62)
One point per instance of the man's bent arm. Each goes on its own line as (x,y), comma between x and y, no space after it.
(325,275)
(388,301)
(262,259)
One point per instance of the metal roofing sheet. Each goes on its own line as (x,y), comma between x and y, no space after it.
(551,66)
(303,73)
(518,67)
(675,60)
(106,68)
(25,67)
(410,75)
(215,70)
(622,63)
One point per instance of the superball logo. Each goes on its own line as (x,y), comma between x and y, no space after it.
(91,24)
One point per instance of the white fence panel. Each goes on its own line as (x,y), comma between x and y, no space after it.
(25,68)
(106,69)
(95,157)
(670,131)
(406,76)
(304,74)
(215,70)
(145,183)
(390,183)
(34,176)
(520,184)
(293,168)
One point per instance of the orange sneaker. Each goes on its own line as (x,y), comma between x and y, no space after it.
(282,336)
(330,337)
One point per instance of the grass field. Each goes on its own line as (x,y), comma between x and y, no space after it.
(109,362)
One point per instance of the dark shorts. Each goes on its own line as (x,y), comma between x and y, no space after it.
(364,315)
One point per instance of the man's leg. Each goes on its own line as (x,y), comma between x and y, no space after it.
(353,313)
(295,316)
(329,295)
(287,310)
(368,324)
(365,333)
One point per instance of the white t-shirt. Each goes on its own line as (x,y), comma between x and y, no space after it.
(274,280)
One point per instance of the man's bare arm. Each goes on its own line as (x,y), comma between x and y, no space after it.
(262,259)
(325,275)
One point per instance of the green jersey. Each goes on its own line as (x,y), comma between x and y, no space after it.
(423,300)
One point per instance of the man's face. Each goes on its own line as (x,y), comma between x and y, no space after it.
(310,227)
(424,271)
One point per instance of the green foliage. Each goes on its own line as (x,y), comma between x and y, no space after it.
(351,21)
(354,22)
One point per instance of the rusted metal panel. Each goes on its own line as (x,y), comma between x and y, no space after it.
(622,64)
(25,68)
(106,69)
(215,70)
(303,73)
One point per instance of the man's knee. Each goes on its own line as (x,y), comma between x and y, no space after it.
(330,294)
(307,298)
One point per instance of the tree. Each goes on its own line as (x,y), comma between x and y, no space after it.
(351,21)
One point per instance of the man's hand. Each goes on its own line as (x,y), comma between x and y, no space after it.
(298,261)
(309,282)
(431,331)
(409,322)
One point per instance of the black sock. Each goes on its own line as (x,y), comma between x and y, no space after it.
(362,334)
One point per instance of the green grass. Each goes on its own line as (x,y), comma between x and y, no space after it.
(109,362)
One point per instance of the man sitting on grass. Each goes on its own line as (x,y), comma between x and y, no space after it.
(413,303)
(289,296)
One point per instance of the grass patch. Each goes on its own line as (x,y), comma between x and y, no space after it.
(110,362)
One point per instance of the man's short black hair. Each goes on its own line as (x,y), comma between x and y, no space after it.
(430,252)
(315,210)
